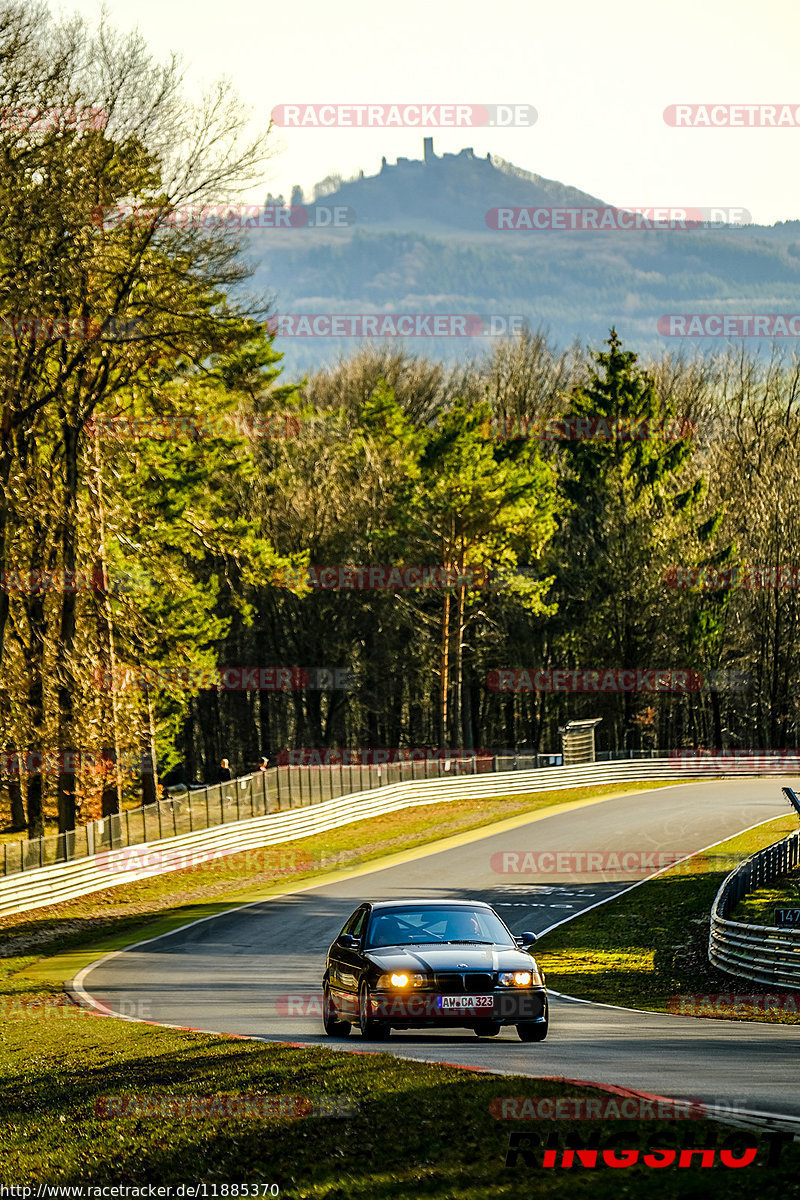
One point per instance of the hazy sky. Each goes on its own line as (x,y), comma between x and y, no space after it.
(599,76)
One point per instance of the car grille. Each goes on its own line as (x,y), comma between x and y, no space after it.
(460,981)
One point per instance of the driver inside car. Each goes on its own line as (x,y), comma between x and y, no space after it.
(462,927)
(388,932)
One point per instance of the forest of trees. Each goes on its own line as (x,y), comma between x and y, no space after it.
(168,498)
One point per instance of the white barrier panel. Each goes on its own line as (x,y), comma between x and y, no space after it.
(66,881)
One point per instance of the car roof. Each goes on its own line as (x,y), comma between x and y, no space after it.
(379,905)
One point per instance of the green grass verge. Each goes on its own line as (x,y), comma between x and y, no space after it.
(649,947)
(758,908)
(413,1130)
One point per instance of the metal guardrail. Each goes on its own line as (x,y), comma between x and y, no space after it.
(239,830)
(204,807)
(183,812)
(112,866)
(761,953)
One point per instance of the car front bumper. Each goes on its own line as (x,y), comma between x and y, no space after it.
(506,1006)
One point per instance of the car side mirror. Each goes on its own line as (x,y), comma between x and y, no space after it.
(527,939)
(348,942)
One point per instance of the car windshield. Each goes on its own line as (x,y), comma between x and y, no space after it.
(404,926)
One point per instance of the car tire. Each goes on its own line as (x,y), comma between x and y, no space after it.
(371,1029)
(334,1027)
(533,1031)
(488,1028)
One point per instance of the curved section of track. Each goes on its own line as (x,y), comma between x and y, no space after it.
(256,970)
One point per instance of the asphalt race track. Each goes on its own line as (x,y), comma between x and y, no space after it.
(257,970)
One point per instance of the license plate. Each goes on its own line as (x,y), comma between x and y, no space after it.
(460,1003)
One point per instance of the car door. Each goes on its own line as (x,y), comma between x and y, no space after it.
(345,964)
(351,960)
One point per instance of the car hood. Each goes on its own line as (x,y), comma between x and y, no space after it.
(449,958)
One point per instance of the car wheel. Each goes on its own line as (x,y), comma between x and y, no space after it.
(371,1029)
(334,1027)
(488,1028)
(533,1031)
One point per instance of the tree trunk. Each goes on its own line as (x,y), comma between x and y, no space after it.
(15,797)
(444,671)
(38,634)
(189,757)
(6,459)
(66,641)
(112,783)
(148,751)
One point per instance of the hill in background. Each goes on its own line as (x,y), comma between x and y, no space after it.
(420,244)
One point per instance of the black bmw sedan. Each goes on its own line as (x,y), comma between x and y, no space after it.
(405,964)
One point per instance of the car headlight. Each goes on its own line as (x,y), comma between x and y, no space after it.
(515,978)
(400,979)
